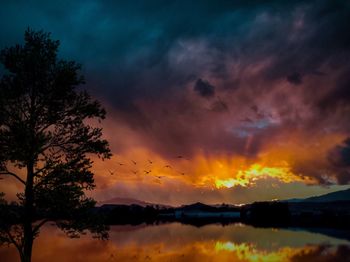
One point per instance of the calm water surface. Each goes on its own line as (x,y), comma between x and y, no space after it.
(176,242)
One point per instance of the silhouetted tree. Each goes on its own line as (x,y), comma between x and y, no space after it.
(46,138)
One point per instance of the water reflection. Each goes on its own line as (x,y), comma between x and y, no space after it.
(176,242)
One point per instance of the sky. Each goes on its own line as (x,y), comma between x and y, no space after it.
(211,101)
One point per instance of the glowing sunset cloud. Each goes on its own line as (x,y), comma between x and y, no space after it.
(137,166)
(142,173)
(254,172)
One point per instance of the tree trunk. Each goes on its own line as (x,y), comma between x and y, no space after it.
(28,217)
(28,243)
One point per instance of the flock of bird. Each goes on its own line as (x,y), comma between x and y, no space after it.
(148,170)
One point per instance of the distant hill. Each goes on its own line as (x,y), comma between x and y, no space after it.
(200,207)
(197,207)
(343,195)
(124,201)
(127,201)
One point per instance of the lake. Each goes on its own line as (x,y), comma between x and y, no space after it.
(177,242)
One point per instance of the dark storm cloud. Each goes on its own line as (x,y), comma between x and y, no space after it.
(125,46)
(295,78)
(340,155)
(219,106)
(339,94)
(142,58)
(339,158)
(204,88)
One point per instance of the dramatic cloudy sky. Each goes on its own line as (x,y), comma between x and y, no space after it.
(215,101)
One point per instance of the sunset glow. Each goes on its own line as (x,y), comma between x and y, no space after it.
(256,171)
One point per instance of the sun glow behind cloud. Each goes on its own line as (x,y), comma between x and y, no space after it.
(250,175)
(234,171)
(140,165)
(179,177)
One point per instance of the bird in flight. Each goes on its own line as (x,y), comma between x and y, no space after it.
(134,162)
(168,166)
(149,161)
(121,164)
(182,157)
(111,172)
(134,172)
(147,172)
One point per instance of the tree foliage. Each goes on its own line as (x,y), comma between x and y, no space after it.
(47,131)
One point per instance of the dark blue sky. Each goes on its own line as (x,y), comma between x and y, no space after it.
(126,47)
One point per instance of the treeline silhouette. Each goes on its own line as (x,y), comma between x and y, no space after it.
(265,214)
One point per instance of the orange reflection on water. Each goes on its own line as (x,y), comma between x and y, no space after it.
(248,252)
(176,242)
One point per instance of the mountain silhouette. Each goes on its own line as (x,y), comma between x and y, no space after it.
(124,201)
(342,195)
(128,202)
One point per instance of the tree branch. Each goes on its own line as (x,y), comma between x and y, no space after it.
(13,241)
(39,170)
(38,226)
(14,175)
